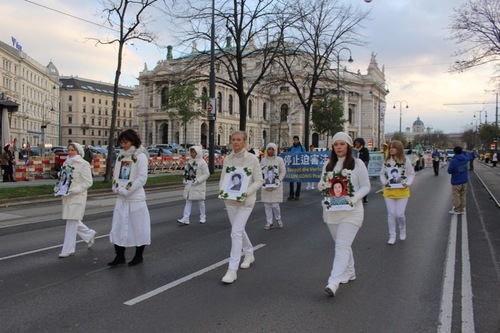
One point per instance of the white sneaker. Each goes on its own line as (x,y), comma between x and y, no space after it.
(280,224)
(65,255)
(349,278)
(331,289)
(183,222)
(402,234)
(308,188)
(247,261)
(230,276)
(203,221)
(268,226)
(91,240)
(392,240)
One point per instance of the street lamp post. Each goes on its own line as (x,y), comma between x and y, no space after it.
(338,67)
(381,115)
(44,124)
(211,114)
(400,112)
(480,113)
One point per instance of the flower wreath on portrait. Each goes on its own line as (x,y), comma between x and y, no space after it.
(190,166)
(229,169)
(329,178)
(400,166)
(274,169)
(68,169)
(120,158)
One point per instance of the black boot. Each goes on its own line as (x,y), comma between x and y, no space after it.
(138,256)
(120,256)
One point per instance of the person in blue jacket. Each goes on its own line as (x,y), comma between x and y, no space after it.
(436,157)
(459,179)
(297,147)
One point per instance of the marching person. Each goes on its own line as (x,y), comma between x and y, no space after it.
(196,174)
(344,225)
(396,198)
(75,199)
(7,164)
(272,191)
(239,211)
(131,226)
(436,158)
(363,154)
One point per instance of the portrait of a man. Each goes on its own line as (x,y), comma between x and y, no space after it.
(235,182)
(395,176)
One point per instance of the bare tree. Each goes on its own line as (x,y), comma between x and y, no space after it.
(476,28)
(247,37)
(312,45)
(130,17)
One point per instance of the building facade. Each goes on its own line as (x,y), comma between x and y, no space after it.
(273,114)
(35,88)
(86,111)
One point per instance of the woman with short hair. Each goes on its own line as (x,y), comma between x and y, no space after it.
(131,226)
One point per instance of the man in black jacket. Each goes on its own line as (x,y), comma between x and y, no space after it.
(364,155)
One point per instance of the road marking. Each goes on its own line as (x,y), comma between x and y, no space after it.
(42,249)
(446,306)
(467,305)
(175,283)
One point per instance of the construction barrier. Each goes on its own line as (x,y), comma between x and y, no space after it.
(47,167)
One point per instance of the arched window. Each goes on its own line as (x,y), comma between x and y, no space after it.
(204,95)
(284,112)
(264,111)
(250,105)
(164,98)
(219,102)
(230,104)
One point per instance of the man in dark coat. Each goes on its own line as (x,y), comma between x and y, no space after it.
(364,155)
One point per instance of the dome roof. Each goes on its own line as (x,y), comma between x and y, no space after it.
(418,122)
(52,69)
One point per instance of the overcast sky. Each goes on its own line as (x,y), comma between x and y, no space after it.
(409,38)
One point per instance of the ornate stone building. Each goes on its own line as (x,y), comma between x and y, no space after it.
(35,88)
(273,115)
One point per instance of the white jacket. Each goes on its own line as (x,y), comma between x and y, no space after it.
(197,190)
(81,179)
(274,195)
(249,160)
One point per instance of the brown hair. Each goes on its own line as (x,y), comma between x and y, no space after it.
(399,157)
(349,161)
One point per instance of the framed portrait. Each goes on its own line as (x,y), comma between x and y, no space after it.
(65,178)
(236,180)
(338,198)
(124,175)
(271,176)
(395,177)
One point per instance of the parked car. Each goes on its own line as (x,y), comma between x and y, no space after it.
(449,153)
(154,152)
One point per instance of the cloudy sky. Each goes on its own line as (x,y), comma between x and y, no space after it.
(409,39)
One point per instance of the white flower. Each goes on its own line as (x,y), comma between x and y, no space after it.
(329,175)
(345,172)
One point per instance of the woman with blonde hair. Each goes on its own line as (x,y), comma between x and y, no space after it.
(396,194)
(239,211)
